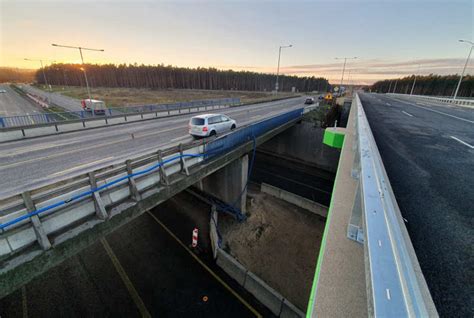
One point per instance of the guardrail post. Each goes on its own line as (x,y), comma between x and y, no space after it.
(163,176)
(41,236)
(184,167)
(98,203)
(131,182)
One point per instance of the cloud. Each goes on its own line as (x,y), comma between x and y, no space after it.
(367,71)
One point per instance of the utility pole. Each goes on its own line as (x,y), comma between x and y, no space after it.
(464,69)
(82,59)
(278,67)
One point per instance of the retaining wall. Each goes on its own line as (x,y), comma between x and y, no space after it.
(277,304)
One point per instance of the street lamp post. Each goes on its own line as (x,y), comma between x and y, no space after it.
(82,59)
(344,66)
(278,68)
(42,70)
(414,80)
(464,69)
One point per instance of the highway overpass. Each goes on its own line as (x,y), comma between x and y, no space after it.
(346,282)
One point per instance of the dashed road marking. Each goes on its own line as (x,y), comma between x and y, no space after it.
(441,113)
(82,166)
(125,279)
(233,292)
(24,303)
(408,114)
(463,142)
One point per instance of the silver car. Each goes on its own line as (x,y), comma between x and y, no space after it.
(210,124)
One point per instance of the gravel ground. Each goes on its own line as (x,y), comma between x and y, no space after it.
(279,242)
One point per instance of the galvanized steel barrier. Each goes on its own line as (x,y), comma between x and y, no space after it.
(465,102)
(65,117)
(395,284)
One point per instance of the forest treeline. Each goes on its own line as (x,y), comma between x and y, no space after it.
(163,77)
(16,75)
(436,85)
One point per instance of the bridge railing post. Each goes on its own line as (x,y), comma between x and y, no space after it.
(41,236)
(135,195)
(184,166)
(163,176)
(98,203)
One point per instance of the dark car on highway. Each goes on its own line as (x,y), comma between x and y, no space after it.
(309,101)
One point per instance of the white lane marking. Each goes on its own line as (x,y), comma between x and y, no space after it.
(435,111)
(463,142)
(7,166)
(180,138)
(154,132)
(81,166)
(389,104)
(408,114)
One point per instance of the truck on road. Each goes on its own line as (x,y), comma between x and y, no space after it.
(95,106)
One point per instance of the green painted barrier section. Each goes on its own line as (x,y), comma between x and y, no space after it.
(333,137)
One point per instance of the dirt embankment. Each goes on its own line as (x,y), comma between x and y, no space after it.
(279,242)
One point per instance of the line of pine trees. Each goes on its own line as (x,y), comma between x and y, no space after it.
(164,77)
(435,85)
(16,75)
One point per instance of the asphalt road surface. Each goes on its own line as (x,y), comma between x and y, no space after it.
(144,269)
(13,104)
(66,102)
(428,152)
(26,164)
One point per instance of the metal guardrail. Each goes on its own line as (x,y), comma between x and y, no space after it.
(458,101)
(71,206)
(44,119)
(395,285)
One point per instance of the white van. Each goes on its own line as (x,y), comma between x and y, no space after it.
(210,125)
(93,105)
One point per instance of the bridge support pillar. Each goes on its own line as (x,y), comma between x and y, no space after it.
(229,183)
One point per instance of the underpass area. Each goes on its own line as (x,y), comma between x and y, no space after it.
(145,268)
(263,130)
(150,268)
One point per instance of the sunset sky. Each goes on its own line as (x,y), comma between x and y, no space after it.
(391,38)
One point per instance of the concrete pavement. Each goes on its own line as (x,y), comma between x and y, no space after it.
(30,163)
(428,152)
(13,104)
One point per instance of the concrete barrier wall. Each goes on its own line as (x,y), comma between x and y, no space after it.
(274,301)
(304,142)
(294,199)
